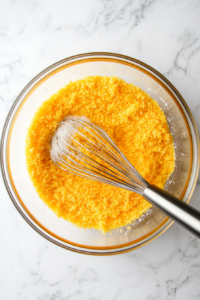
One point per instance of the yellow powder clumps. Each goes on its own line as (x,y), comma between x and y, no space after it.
(136,124)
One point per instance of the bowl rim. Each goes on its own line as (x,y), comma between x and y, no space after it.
(7,129)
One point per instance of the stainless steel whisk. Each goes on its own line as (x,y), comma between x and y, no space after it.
(85,149)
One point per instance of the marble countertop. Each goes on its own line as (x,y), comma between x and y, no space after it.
(33,35)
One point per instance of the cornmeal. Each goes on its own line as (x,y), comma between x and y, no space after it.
(136,124)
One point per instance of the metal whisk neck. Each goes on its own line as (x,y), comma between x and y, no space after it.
(84,149)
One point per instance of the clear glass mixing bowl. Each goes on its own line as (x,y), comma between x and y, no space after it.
(31,207)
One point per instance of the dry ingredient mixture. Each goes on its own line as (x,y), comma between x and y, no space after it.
(136,124)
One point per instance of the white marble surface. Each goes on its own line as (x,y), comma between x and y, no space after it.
(35,34)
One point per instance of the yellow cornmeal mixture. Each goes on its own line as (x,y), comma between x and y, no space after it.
(136,124)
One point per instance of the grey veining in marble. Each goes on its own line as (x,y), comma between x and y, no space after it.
(33,35)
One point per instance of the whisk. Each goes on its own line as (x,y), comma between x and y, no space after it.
(86,150)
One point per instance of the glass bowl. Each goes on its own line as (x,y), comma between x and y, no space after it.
(13,164)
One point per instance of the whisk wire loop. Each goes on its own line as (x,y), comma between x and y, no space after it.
(104,162)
